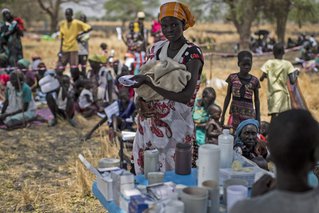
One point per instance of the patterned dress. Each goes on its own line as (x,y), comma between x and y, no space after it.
(172,123)
(242,106)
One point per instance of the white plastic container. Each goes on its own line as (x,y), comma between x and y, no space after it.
(226,144)
(151,161)
(48,84)
(208,163)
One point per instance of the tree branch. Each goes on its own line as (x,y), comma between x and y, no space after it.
(43,7)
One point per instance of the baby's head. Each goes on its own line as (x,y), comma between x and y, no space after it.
(214,111)
(208,96)
(264,128)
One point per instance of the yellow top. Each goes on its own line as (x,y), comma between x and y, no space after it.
(277,71)
(69,33)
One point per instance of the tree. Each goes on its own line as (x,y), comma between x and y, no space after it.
(280,9)
(119,10)
(24,12)
(242,13)
(52,8)
(304,11)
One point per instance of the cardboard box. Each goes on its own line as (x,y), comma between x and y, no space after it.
(105,186)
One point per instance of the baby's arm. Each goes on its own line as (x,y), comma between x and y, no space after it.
(213,129)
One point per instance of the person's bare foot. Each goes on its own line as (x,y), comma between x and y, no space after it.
(53,122)
(72,122)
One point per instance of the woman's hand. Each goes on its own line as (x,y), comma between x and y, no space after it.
(140,79)
(261,149)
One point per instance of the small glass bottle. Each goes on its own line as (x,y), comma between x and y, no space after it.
(183,159)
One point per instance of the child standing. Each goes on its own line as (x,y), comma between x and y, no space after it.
(213,127)
(278,71)
(242,88)
(200,113)
(200,117)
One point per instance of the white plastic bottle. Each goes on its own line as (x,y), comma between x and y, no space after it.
(226,144)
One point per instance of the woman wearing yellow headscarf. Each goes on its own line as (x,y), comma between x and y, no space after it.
(162,124)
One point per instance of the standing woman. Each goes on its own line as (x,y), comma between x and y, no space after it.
(12,37)
(162,124)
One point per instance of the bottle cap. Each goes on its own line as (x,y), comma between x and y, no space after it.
(225,131)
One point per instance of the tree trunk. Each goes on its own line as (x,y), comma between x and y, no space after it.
(281,11)
(244,31)
(281,28)
(53,24)
(244,21)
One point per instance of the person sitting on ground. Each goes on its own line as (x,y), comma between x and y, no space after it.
(293,144)
(106,91)
(248,145)
(19,106)
(95,62)
(123,119)
(30,79)
(61,102)
(213,127)
(86,103)
(4,76)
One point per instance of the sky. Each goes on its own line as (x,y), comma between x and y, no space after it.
(98,11)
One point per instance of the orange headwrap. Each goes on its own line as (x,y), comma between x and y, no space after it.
(178,10)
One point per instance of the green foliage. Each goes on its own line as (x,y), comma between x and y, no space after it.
(304,11)
(125,10)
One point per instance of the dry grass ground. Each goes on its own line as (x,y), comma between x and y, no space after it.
(39,169)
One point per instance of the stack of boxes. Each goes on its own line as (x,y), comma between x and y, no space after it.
(105,185)
(122,180)
(139,204)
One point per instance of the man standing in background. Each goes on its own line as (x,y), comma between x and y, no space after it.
(71,31)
